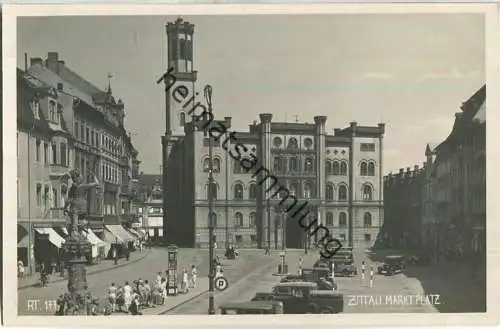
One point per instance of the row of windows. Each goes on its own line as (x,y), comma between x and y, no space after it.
(293,165)
(308,191)
(238,220)
(86,134)
(367,219)
(50,152)
(367,147)
(47,197)
(292,143)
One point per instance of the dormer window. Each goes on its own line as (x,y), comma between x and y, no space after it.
(52,111)
(35,107)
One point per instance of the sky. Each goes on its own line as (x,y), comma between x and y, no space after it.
(410,71)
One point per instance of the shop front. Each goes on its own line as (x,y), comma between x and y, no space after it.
(47,247)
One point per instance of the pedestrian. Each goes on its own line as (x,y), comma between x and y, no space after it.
(127,295)
(20,269)
(219,273)
(185,282)
(158,278)
(120,300)
(127,253)
(372,276)
(362,270)
(163,290)
(115,254)
(134,305)
(147,294)
(112,296)
(194,276)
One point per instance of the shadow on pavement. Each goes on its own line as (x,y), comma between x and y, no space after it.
(461,288)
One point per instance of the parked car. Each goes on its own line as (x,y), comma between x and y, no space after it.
(324,283)
(392,265)
(304,297)
(252,307)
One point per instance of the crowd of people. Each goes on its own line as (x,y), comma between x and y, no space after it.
(145,294)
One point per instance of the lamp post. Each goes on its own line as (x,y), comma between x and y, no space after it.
(283,228)
(211,275)
(268,224)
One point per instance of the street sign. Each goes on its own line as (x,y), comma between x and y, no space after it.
(221,283)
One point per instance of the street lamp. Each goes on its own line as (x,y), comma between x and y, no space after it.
(283,228)
(268,224)
(211,275)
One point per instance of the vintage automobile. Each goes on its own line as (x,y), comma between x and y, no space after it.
(252,307)
(324,283)
(392,265)
(304,297)
(344,266)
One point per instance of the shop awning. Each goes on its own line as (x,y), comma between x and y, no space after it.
(24,242)
(120,233)
(94,239)
(54,238)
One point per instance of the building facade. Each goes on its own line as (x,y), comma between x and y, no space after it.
(404,208)
(102,147)
(339,175)
(459,184)
(150,207)
(443,205)
(65,122)
(44,150)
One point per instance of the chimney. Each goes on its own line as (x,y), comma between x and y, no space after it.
(401,170)
(408,169)
(53,61)
(336,131)
(415,167)
(35,60)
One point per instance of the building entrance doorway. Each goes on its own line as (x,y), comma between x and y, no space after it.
(294,233)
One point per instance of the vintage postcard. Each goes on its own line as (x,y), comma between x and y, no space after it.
(316,164)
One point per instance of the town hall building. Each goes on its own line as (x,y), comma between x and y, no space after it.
(339,175)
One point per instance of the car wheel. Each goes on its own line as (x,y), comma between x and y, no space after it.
(312,309)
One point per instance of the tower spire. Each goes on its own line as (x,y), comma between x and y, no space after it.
(110,76)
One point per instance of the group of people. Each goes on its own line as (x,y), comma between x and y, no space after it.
(143,294)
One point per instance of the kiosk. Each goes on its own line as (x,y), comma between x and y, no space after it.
(172,288)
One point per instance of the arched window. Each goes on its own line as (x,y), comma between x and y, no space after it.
(277,164)
(182,118)
(309,163)
(238,192)
(329,219)
(363,169)
(292,164)
(329,192)
(371,169)
(367,192)
(328,168)
(308,190)
(253,192)
(367,219)
(216,165)
(342,193)
(237,169)
(252,219)
(342,219)
(335,168)
(213,190)
(343,168)
(293,188)
(292,143)
(277,142)
(238,219)
(212,218)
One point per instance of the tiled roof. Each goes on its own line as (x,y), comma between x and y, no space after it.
(76,80)
(43,73)
(25,117)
